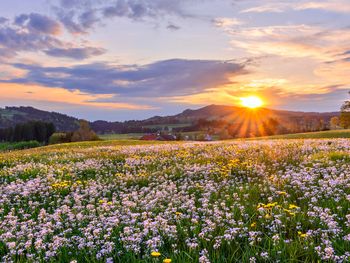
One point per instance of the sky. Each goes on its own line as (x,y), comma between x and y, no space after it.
(133,59)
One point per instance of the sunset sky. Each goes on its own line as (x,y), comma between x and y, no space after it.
(133,59)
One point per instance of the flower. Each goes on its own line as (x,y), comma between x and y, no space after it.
(270,205)
(291,206)
(281,192)
(302,235)
(253,224)
(167,260)
(155,254)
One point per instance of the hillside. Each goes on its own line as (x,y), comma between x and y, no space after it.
(10,116)
(234,113)
(206,118)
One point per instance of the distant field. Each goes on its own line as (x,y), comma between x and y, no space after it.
(127,136)
(311,135)
(161,126)
(308,135)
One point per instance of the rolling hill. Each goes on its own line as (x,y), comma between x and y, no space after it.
(188,120)
(10,116)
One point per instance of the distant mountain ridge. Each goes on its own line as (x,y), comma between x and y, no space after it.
(10,116)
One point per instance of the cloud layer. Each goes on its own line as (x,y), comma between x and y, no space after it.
(159,79)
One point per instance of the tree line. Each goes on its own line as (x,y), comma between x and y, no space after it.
(30,131)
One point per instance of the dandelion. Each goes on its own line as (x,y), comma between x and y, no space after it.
(167,260)
(267,216)
(155,254)
(302,235)
(291,206)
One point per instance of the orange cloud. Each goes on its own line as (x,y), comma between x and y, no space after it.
(13,92)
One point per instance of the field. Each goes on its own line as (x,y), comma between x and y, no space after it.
(132,201)
(116,136)
(312,135)
(308,135)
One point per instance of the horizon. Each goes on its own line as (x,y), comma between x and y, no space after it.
(162,115)
(120,60)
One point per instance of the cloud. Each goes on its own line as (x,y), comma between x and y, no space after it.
(79,16)
(159,79)
(173,27)
(14,40)
(3,20)
(38,33)
(38,23)
(338,6)
(75,53)
(34,93)
(224,22)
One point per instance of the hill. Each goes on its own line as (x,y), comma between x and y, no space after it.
(10,116)
(240,122)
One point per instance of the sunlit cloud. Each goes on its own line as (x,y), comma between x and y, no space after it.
(339,6)
(31,93)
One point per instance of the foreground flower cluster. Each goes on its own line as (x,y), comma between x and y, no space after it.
(253,201)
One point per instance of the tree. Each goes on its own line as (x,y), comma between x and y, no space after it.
(84,133)
(334,123)
(344,119)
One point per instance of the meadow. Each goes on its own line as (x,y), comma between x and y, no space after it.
(132,201)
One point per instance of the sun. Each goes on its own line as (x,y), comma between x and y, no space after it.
(251,102)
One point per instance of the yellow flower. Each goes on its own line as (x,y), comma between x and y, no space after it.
(155,254)
(178,213)
(302,235)
(289,212)
(291,206)
(101,201)
(270,205)
(109,203)
(253,224)
(167,260)
(260,205)
(267,216)
(281,192)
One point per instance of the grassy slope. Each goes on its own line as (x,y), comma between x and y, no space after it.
(131,139)
(310,135)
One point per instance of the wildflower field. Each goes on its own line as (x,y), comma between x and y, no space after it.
(235,201)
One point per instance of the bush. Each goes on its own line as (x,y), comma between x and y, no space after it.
(60,137)
(84,133)
(19,145)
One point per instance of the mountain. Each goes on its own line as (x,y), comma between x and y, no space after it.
(212,117)
(241,122)
(10,116)
(235,114)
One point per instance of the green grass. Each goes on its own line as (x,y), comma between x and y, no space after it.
(161,126)
(8,146)
(310,135)
(126,136)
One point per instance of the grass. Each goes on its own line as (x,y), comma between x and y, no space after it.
(233,201)
(171,126)
(8,146)
(116,136)
(310,135)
